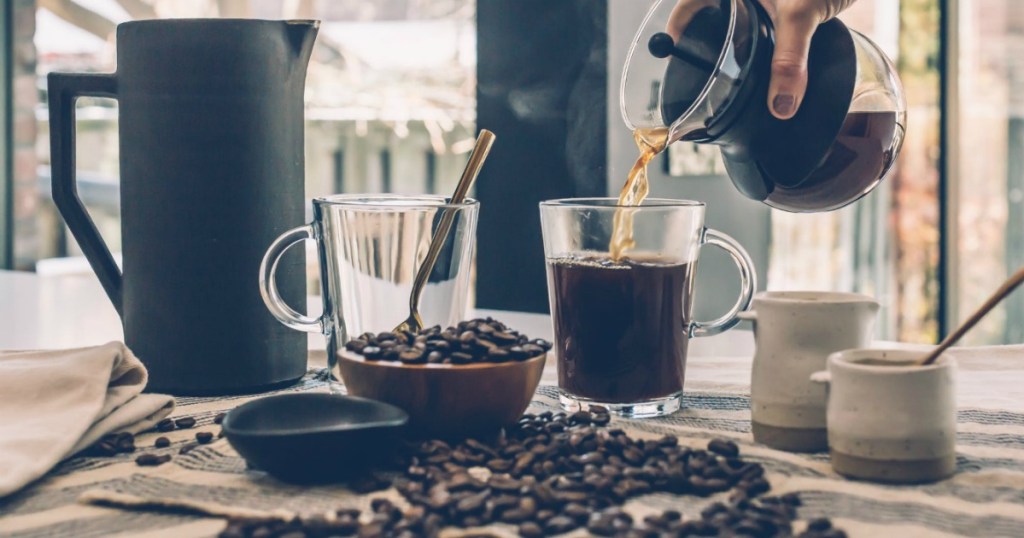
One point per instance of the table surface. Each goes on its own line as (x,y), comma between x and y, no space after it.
(985,498)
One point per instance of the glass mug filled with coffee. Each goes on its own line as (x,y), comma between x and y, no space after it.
(621,300)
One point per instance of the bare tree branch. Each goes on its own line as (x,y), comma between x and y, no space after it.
(138,9)
(87,20)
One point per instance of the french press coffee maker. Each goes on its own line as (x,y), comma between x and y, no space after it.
(700,70)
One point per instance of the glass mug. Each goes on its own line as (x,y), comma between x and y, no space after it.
(370,248)
(622,327)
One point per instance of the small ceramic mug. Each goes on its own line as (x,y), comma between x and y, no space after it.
(889,419)
(794,333)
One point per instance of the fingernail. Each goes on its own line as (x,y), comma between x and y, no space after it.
(783,104)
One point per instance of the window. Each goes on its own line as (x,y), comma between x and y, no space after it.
(390,100)
(987,166)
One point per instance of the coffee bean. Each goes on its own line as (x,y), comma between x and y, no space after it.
(819,525)
(472,504)
(576,511)
(162,442)
(498,355)
(503,338)
(204,437)
(515,515)
(219,418)
(356,346)
(560,525)
(464,481)
(533,350)
(724,447)
(165,425)
(602,526)
(504,484)
(541,343)
(530,529)
(151,460)
(373,353)
(412,356)
(461,358)
(125,443)
(757,487)
(185,423)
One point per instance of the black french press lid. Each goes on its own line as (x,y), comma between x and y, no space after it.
(718,70)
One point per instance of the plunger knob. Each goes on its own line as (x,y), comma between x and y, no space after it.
(661,45)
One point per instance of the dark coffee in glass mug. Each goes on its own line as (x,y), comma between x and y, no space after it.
(622,325)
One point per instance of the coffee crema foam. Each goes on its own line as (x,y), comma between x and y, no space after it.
(601,260)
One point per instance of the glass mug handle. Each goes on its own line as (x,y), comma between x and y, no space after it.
(268,282)
(748,283)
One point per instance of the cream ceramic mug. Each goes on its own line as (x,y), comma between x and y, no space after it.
(794,333)
(890,420)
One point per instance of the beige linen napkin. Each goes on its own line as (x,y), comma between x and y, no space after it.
(56,403)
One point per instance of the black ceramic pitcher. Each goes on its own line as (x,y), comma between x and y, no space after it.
(211,148)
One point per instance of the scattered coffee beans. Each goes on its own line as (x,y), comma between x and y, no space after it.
(111,445)
(219,418)
(165,425)
(204,437)
(474,341)
(554,473)
(185,423)
(162,442)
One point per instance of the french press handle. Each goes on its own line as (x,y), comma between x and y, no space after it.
(64,89)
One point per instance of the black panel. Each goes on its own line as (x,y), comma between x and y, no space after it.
(542,89)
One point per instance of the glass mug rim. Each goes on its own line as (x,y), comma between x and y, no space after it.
(392,202)
(613,203)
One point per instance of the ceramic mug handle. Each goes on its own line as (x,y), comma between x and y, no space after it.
(822,378)
(268,282)
(748,283)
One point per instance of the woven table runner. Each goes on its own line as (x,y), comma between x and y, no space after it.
(984,499)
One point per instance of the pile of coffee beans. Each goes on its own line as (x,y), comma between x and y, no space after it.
(473,341)
(554,473)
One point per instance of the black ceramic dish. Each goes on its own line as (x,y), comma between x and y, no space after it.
(314,437)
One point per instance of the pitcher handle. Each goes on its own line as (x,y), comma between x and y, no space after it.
(64,89)
(748,283)
(268,282)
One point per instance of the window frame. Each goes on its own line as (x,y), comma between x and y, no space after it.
(949,114)
(6,135)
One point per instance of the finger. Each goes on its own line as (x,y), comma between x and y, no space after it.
(682,13)
(793,34)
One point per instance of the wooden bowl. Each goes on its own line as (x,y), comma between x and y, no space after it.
(446,400)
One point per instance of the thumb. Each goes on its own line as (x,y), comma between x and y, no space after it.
(793,33)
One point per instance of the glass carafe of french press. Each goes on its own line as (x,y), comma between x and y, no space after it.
(700,69)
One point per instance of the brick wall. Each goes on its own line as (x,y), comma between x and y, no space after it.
(26,204)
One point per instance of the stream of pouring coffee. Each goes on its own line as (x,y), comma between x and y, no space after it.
(650,142)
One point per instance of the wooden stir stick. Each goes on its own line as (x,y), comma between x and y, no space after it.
(1004,290)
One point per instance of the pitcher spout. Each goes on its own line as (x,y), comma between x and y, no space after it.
(301,35)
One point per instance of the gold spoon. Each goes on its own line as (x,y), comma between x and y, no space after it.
(476,161)
(1004,290)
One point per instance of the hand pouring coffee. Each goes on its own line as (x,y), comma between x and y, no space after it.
(705,80)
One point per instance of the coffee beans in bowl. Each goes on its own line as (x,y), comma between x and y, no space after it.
(469,379)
